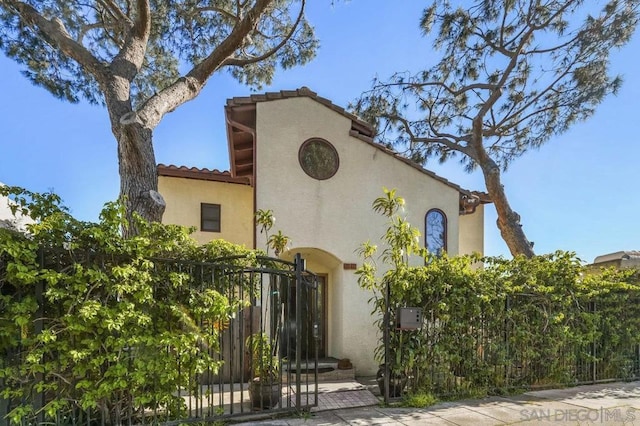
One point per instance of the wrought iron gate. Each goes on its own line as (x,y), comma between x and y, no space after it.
(285,312)
(278,306)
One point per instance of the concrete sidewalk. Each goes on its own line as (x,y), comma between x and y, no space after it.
(604,404)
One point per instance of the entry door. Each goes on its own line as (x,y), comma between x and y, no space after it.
(310,320)
(322,316)
(312,315)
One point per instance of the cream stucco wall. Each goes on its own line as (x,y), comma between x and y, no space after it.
(326,220)
(472,232)
(335,214)
(183,197)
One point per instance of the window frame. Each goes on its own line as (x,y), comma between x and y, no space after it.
(445,233)
(203,206)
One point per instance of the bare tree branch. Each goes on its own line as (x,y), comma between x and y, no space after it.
(496,93)
(551,49)
(238,62)
(116,12)
(498,48)
(129,60)
(513,62)
(220,11)
(451,142)
(444,142)
(86,28)
(522,108)
(458,92)
(189,86)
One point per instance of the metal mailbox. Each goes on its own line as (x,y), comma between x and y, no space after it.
(409,318)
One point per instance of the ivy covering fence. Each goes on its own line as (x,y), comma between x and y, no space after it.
(490,324)
(96,327)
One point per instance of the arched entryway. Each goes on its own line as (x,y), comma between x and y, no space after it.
(326,268)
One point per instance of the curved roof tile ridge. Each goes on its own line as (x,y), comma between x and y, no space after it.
(199,173)
(193,169)
(303,91)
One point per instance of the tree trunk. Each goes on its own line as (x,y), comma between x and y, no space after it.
(138,177)
(508,220)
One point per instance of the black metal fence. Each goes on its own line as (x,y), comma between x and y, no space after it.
(514,342)
(275,323)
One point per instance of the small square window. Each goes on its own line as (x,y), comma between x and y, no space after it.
(210,217)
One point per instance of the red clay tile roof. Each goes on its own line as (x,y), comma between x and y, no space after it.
(363,127)
(201,174)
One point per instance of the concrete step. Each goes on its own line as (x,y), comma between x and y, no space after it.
(327,370)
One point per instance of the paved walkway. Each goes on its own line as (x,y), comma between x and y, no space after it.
(605,404)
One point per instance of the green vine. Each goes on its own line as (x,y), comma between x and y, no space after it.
(508,323)
(102,323)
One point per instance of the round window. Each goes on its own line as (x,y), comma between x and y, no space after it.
(318,158)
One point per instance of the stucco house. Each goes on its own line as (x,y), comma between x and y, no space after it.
(318,169)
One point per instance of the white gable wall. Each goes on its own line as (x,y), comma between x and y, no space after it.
(335,215)
(471,231)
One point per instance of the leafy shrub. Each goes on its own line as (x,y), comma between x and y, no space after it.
(491,323)
(418,400)
(102,323)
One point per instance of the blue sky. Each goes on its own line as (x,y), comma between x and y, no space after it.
(578,192)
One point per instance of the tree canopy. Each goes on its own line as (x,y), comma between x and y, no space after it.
(144,58)
(511,75)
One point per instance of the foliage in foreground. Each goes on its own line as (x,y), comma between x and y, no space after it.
(419,400)
(510,323)
(100,322)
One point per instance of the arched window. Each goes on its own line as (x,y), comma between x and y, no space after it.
(436,231)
